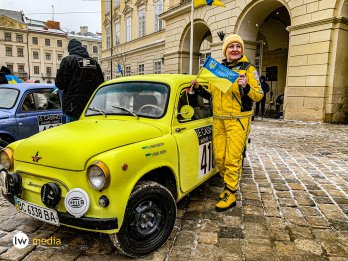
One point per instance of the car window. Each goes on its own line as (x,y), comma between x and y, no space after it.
(8,97)
(201,106)
(144,99)
(41,100)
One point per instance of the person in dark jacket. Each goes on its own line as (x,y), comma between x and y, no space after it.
(78,77)
(265,89)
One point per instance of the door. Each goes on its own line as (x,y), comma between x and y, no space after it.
(194,140)
(39,109)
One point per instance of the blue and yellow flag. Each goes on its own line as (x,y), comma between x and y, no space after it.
(197,3)
(119,67)
(217,74)
(12,79)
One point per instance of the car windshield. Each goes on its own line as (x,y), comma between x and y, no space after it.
(142,99)
(8,97)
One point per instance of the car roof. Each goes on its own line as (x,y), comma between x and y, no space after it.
(165,78)
(27,86)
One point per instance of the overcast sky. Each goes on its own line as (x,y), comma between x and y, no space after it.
(82,12)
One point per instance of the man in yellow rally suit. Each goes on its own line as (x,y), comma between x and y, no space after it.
(232,114)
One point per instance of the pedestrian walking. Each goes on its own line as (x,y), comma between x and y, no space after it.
(78,76)
(232,113)
(265,89)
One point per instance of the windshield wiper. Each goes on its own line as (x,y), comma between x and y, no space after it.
(124,109)
(96,109)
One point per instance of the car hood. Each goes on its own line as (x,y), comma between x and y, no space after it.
(69,146)
(4,115)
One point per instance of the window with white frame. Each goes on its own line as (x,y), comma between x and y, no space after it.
(108,35)
(158,11)
(21,68)
(20,52)
(36,69)
(8,37)
(117,33)
(203,57)
(141,17)
(48,56)
(59,56)
(8,51)
(107,6)
(128,28)
(128,70)
(35,55)
(141,69)
(19,38)
(158,67)
(48,71)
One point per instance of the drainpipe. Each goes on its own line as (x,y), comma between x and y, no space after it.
(28,54)
(112,39)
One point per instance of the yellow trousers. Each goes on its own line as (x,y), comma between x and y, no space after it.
(229,140)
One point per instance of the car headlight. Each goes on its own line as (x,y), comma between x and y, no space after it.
(6,158)
(98,175)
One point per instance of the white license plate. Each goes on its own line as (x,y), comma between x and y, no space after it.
(44,214)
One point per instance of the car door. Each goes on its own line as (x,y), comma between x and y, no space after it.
(39,109)
(194,140)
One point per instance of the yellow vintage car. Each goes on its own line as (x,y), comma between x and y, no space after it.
(141,144)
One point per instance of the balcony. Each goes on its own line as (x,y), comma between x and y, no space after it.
(47,76)
(21,74)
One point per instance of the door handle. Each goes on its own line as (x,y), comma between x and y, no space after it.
(179,129)
(20,124)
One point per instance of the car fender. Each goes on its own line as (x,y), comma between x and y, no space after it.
(139,163)
(8,130)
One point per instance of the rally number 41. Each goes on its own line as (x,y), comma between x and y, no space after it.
(206,158)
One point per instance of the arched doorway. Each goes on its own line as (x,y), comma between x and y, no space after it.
(263,25)
(201,39)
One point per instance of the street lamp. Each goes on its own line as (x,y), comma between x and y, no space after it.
(221,35)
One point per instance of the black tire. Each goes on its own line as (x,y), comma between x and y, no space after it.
(3,144)
(149,219)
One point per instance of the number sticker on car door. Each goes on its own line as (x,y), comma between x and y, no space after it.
(205,158)
(49,121)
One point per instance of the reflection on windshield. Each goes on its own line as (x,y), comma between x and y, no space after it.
(8,97)
(143,99)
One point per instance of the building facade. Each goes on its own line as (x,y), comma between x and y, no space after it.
(299,45)
(31,49)
(13,42)
(47,45)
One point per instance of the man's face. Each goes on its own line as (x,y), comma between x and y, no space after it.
(234,51)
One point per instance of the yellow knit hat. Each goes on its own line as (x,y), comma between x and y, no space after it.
(230,39)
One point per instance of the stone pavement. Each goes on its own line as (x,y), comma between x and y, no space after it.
(292,205)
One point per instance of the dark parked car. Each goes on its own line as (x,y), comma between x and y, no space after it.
(26,109)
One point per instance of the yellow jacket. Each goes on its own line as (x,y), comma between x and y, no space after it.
(232,104)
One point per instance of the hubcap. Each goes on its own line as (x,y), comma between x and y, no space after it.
(146,218)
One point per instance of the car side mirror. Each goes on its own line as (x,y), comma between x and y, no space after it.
(186,112)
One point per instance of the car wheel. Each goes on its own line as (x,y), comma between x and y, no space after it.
(148,221)
(3,144)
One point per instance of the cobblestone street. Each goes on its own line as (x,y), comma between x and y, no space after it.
(292,205)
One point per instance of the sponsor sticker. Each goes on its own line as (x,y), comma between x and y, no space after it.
(49,121)
(77,202)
